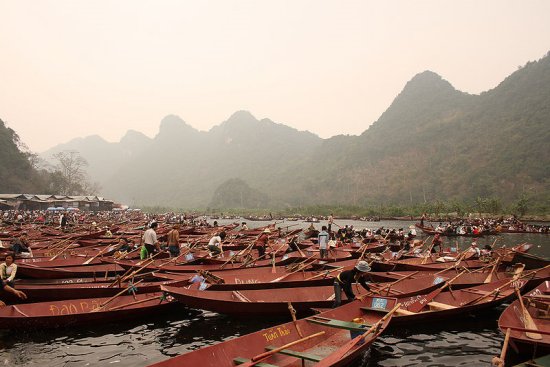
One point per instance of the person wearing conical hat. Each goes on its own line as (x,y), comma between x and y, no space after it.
(345,279)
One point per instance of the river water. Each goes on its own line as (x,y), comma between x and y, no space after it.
(470,340)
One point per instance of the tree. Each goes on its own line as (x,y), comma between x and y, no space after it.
(521,206)
(70,177)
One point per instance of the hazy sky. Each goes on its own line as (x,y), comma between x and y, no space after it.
(76,68)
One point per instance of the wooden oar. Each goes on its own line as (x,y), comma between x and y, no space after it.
(420,301)
(395,282)
(300,268)
(489,278)
(338,354)
(428,252)
(528,321)
(102,305)
(62,251)
(499,361)
(494,293)
(293,315)
(102,251)
(135,303)
(325,273)
(260,357)
(544,332)
(242,252)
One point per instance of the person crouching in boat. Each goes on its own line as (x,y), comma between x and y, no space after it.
(262,241)
(215,244)
(345,279)
(436,243)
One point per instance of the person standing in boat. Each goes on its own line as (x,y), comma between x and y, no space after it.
(173,239)
(150,241)
(330,222)
(345,279)
(322,240)
(215,244)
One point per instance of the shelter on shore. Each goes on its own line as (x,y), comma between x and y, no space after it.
(43,202)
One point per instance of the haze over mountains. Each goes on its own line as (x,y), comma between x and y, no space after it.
(433,142)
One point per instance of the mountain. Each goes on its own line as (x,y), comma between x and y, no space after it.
(432,143)
(104,158)
(437,143)
(182,166)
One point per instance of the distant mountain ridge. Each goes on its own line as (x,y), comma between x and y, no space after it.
(432,143)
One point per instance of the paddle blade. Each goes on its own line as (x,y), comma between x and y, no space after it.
(417,303)
(528,321)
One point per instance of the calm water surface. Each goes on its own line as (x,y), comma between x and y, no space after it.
(470,340)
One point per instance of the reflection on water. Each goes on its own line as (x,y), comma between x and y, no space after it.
(471,340)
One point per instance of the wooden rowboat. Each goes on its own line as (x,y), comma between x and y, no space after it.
(97,270)
(529,333)
(333,338)
(57,292)
(274,301)
(81,311)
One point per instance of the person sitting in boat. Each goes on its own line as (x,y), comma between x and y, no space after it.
(474,248)
(395,247)
(7,288)
(262,240)
(21,244)
(345,279)
(215,244)
(8,270)
(108,232)
(244,227)
(486,251)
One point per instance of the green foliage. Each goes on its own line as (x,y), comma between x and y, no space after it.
(235,193)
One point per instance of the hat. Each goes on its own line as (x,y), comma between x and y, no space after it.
(362,266)
(267,230)
(94,223)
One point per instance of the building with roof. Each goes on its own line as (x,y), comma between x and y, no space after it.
(43,202)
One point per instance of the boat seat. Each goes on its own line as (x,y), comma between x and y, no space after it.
(241,360)
(476,291)
(292,353)
(403,312)
(374,309)
(439,306)
(339,324)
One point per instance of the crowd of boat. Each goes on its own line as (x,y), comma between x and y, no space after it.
(67,269)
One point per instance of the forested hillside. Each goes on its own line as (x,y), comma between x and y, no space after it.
(16,172)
